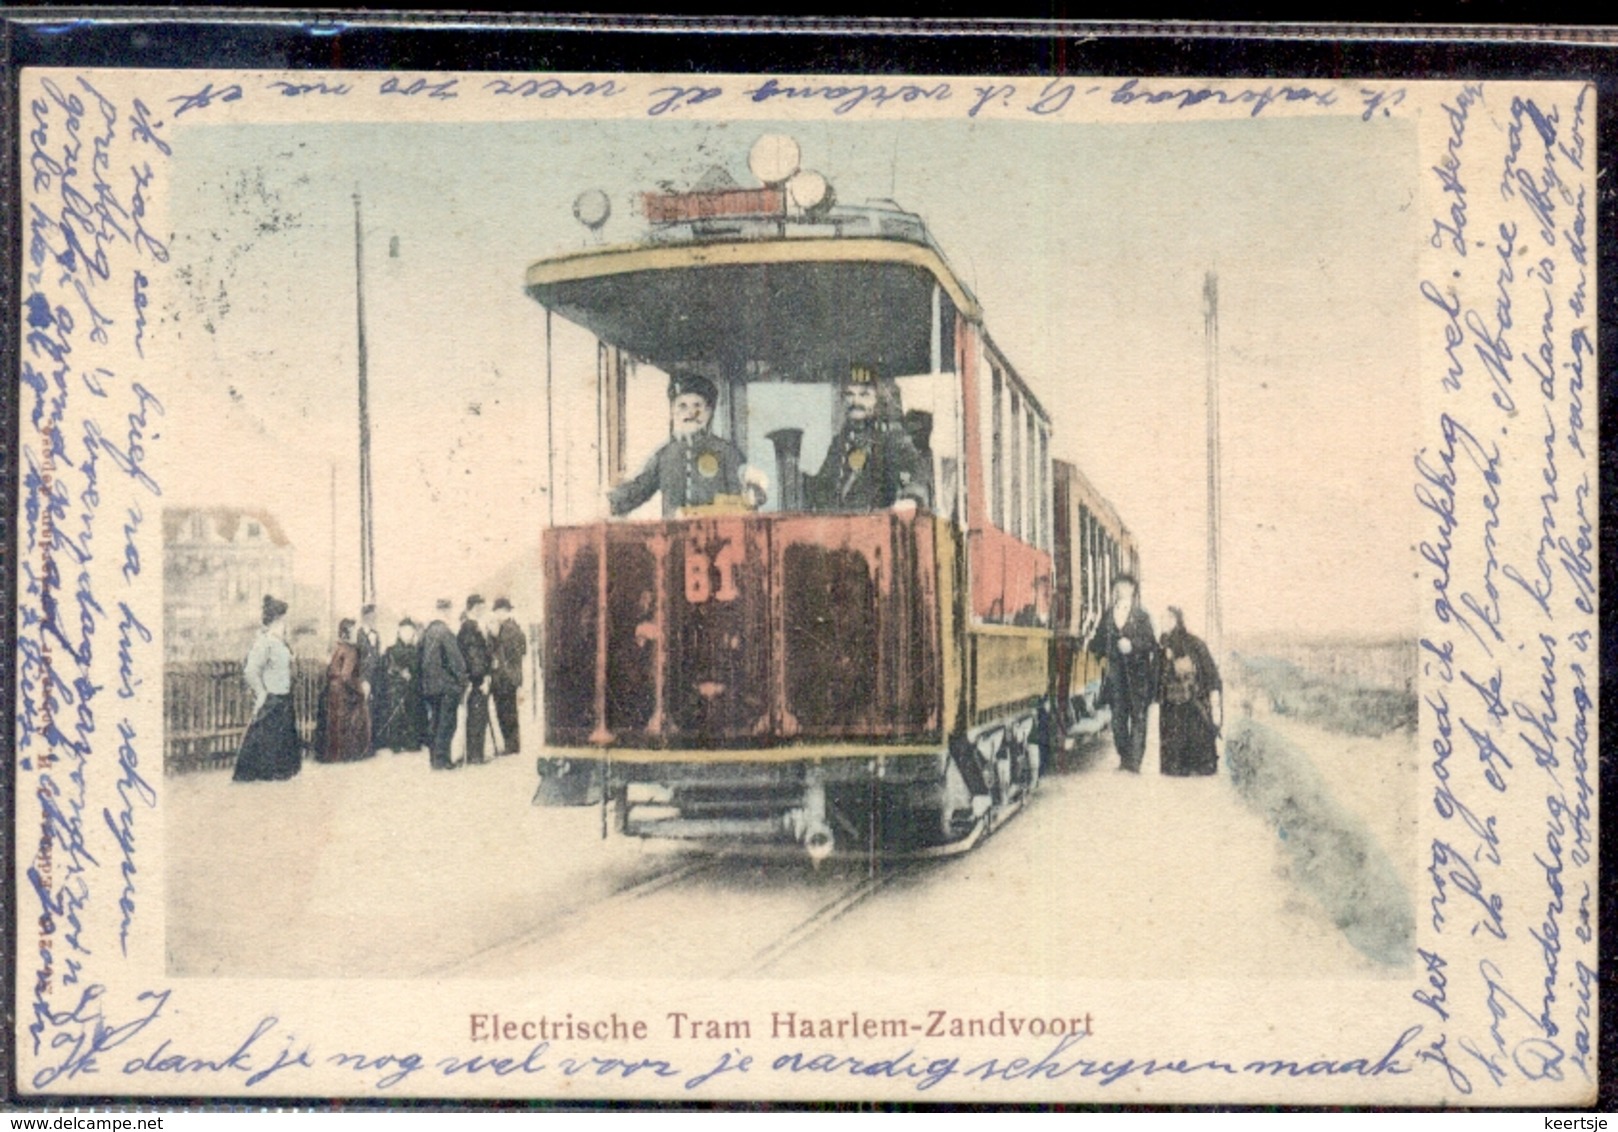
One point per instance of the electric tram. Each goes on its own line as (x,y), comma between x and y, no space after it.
(893,679)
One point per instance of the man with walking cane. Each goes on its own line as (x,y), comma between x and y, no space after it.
(509,647)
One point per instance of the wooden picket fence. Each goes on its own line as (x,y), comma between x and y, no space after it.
(207,707)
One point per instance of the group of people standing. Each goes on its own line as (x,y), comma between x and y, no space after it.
(1177,672)
(470,667)
(413,694)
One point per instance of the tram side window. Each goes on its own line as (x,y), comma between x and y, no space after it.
(1085,571)
(932,419)
(1031,443)
(1103,575)
(947,500)
(1045,539)
(1106,564)
(946,332)
(1016,465)
(644,415)
(996,470)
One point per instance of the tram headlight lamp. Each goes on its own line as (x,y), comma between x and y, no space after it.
(774,158)
(592,209)
(810,191)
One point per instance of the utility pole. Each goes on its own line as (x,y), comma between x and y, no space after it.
(367,541)
(550,434)
(1210,315)
(331,585)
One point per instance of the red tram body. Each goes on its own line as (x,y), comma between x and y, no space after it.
(890,680)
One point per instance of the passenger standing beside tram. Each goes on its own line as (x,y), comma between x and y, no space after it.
(1192,709)
(443,680)
(1129,685)
(345,722)
(871,464)
(369,642)
(479,664)
(404,728)
(269,751)
(510,648)
(694,468)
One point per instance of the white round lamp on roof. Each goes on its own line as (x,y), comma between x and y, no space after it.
(592,208)
(810,192)
(774,158)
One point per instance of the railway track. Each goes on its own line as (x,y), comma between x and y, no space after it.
(895,870)
(567,934)
(588,922)
(620,897)
(821,919)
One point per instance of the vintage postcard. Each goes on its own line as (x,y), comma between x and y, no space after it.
(804,587)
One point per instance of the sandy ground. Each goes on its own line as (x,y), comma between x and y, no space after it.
(1107,875)
(377,868)
(1376,779)
(386,869)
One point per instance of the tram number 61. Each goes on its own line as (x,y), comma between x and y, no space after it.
(701,570)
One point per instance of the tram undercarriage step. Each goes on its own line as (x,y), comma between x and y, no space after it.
(684,828)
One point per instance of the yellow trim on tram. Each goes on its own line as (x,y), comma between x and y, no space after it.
(1009,667)
(808,752)
(631,258)
(992,629)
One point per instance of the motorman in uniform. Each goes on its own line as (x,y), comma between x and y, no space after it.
(871,463)
(694,468)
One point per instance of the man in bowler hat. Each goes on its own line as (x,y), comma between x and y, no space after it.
(1124,639)
(475,650)
(510,649)
(373,671)
(443,679)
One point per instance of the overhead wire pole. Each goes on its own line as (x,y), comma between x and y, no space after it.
(1210,314)
(550,435)
(331,588)
(367,540)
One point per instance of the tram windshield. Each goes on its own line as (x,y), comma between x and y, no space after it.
(777,340)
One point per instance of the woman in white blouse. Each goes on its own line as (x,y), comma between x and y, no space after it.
(269,750)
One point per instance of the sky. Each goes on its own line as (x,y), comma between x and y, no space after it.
(1087,246)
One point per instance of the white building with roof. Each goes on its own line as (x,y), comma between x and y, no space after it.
(218,563)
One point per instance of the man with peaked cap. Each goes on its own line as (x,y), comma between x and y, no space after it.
(479,664)
(1125,640)
(369,642)
(871,463)
(510,648)
(443,679)
(694,466)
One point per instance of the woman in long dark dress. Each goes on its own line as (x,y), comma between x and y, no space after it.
(269,750)
(1192,706)
(404,727)
(347,732)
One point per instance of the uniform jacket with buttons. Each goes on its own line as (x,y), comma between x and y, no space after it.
(869,466)
(687,471)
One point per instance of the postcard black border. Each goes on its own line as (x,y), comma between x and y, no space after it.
(307,39)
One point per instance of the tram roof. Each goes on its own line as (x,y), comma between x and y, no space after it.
(1088,494)
(862,299)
